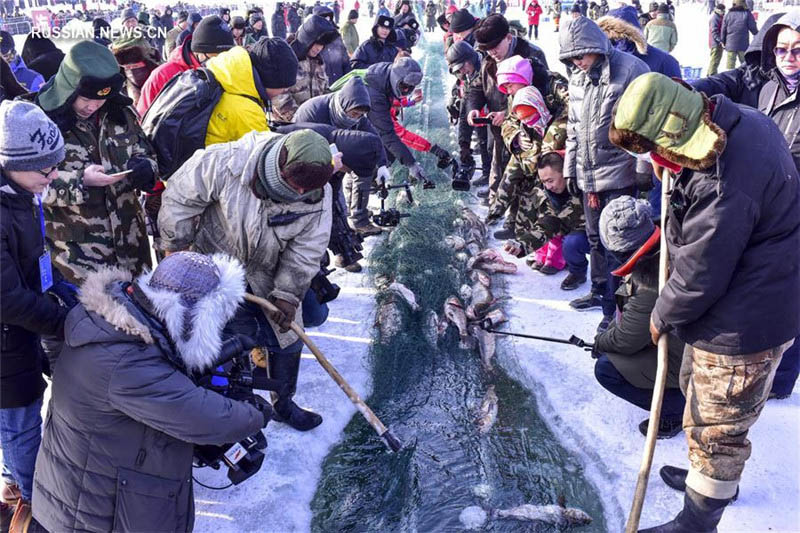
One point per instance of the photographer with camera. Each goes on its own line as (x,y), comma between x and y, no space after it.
(125,412)
(264,199)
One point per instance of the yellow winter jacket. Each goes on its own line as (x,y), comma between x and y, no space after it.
(240,110)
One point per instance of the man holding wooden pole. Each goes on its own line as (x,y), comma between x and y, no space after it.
(733,234)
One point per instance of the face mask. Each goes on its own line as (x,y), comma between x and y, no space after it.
(658,160)
(640,157)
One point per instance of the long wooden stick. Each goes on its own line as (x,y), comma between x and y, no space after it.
(661,371)
(384,432)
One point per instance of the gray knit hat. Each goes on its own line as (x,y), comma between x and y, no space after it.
(128,14)
(625,224)
(29,140)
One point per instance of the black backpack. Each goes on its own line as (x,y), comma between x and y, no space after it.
(177,121)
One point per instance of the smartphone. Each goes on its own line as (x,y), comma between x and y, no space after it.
(482,121)
(334,149)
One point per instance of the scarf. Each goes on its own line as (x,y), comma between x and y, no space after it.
(271,183)
(791,81)
(338,114)
(530,96)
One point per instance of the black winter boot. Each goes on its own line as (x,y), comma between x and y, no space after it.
(284,368)
(699,515)
(675,478)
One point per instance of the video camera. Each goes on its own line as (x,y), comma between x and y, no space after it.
(234,378)
(390,217)
(461,176)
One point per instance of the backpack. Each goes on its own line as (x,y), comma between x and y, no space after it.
(177,121)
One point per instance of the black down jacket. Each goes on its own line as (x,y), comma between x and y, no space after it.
(737,26)
(116,453)
(25,312)
(353,94)
(742,84)
(734,242)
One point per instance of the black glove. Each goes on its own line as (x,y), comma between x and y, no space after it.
(262,405)
(66,292)
(143,178)
(454,111)
(444,156)
(644,181)
(572,187)
(550,224)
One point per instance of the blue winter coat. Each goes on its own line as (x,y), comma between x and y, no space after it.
(622,28)
(735,27)
(373,50)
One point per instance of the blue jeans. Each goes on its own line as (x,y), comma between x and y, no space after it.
(20,436)
(614,382)
(574,248)
(250,320)
(602,262)
(787,372)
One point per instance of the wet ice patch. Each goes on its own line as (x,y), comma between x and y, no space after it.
(473,517)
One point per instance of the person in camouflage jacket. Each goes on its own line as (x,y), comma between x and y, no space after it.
(315,33)
(93,217)
(544,132)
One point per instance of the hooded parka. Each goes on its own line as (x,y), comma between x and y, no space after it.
(116,453)
(590,156)
(742,84)
(776,100)
(311,77)
(622,28)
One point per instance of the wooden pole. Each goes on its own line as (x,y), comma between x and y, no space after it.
(632,525)
(384,432)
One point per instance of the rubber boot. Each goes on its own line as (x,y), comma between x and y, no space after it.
(675,478)
(284,368)
(699,515)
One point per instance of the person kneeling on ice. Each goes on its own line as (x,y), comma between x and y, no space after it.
(734,244)
(125,413)
(264,199)
(627,357)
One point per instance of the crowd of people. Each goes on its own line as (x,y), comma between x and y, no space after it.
(239,155)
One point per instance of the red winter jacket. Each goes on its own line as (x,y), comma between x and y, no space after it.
(534,11)
(409,138)
(160,76)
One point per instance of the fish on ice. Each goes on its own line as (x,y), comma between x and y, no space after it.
(487,414)
(405,293)
(551,514)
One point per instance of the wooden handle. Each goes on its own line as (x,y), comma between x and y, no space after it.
(362,407)
(632,525)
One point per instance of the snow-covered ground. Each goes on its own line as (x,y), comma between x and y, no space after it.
(600,429)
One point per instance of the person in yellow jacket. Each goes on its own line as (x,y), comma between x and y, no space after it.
(250,80)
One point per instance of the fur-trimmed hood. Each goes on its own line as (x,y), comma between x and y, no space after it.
(617,29)
(110,293)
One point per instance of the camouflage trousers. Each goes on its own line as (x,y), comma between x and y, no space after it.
(724,397)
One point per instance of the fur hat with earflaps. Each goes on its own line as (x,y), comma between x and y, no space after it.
(657,114)
(195,295)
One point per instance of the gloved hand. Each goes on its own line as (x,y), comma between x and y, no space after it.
(66,292)
(284,315)
(383,175)
(465,155)
(262,405)
(416,172)
(644,181)
(444,156)
(550,224)
(453,111)
(572,187)
(143,178)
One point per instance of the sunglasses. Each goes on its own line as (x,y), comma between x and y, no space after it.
(577,58)
(781,51)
